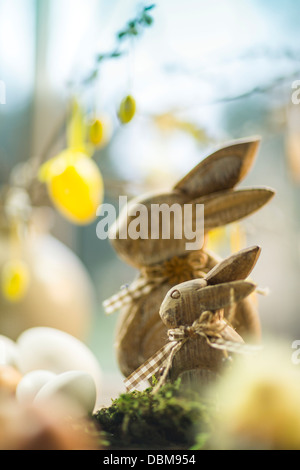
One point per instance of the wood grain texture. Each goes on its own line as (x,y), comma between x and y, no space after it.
(219,210)
(194,300)
(224,169)
(211,183)
(231,206)
(140,331)
(237,267)
(196,354)
(197,312)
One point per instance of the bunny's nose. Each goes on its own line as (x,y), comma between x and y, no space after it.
(170,319)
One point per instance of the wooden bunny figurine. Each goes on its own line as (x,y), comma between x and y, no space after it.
(196,350)
(193,315)
(164,263)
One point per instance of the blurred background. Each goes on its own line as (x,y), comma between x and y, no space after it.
(202,74)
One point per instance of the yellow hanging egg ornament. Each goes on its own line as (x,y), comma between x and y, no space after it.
(100,131)
(127,109)
(75,185)
(15,280)
(74,181)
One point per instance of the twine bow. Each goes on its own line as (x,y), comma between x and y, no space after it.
(208,326)
(174,271)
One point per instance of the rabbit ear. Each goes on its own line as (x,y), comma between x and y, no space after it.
(230,206)
(224,295)
(222,170)
(235,267)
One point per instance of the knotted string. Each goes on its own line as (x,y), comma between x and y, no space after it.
(209,326)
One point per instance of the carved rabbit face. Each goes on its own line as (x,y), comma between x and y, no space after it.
(184,303)
(210,183)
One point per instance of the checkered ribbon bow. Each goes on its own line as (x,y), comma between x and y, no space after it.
(207,326)
(176,270)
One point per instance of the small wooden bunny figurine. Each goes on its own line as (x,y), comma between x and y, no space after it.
(164,263)
(198,334)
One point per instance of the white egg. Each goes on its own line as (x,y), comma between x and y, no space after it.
(9,352)
(56,351)
(77,390)
(31,384)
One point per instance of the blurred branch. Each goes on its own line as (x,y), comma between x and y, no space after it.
(133,29)
(249,55)
(259,89)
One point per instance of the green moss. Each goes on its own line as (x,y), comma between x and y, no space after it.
(174,417)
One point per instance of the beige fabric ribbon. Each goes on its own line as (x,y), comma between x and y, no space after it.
(174,271)
(208,326)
